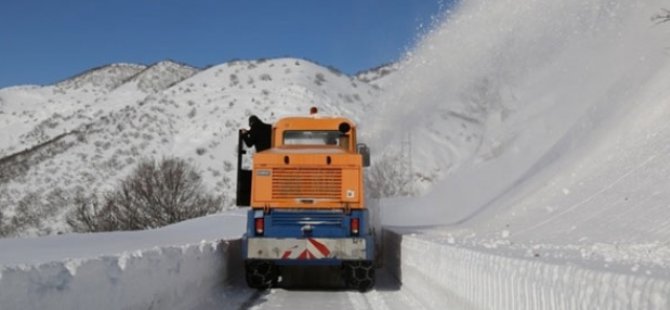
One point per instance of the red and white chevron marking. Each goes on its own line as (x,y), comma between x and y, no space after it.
(313,249)
(310,248)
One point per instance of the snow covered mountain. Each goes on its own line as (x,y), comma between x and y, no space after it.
(542,126)
(378,76)
(83,134)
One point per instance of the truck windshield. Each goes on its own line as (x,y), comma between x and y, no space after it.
(321,137)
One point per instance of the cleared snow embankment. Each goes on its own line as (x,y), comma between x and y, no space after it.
(453,277)
(184,266)
(162,278)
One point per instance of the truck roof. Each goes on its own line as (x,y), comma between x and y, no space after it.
(306,150)
(313,122)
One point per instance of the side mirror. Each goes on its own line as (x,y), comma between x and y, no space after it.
(365,152)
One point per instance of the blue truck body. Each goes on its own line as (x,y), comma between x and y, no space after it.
(317,225)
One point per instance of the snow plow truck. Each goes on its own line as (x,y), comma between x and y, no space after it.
(306,202)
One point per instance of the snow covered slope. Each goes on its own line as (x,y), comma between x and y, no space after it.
(533,102)
(82,135)
(554,147)
(544,124)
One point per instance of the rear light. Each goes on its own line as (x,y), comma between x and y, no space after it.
(259,225)
(355,226)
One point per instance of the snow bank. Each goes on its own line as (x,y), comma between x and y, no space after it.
(182,266)
(181,277)
(448,276)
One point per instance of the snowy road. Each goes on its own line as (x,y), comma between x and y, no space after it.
(388,294)
(436,272)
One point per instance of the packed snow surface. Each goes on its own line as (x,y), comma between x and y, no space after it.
(537,134)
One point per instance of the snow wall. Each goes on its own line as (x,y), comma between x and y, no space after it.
(172,277)
(452,277)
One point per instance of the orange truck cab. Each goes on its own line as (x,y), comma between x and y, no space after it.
(306,199)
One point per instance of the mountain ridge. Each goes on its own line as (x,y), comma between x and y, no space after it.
(80,136)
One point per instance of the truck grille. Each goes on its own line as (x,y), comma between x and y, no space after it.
(315,218)
(317,183)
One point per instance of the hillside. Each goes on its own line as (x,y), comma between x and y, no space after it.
(81,135)
(570,167)
(540,126)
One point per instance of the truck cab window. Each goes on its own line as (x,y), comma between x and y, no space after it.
(331,137)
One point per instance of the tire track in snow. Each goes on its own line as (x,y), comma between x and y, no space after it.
(256,296)
(387,295)
(591,197)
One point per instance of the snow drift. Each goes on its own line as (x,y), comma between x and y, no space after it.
(191,265)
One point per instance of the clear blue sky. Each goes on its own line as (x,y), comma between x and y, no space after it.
(44,41)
